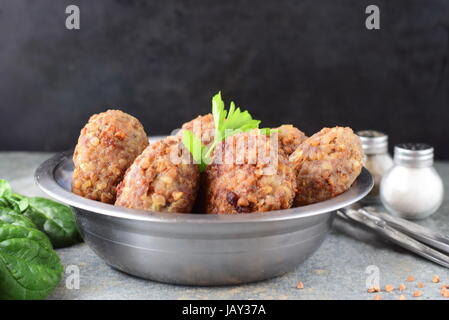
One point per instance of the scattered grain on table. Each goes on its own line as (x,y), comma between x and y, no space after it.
(389,288)
(435,279)
(373,289)
(417,293)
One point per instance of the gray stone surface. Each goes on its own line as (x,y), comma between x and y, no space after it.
(335,271)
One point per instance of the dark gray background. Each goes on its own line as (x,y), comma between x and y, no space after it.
(307,62)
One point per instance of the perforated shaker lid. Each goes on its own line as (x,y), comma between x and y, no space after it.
(373,142)
(413,154)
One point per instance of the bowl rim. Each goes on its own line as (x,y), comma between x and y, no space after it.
(45,179)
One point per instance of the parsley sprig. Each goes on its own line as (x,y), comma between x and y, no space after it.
(227,123)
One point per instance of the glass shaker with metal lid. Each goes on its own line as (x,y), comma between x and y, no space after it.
(377,159)
(412,189)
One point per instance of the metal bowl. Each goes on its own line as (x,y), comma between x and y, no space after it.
(197,249)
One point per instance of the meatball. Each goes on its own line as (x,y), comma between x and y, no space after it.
(163,178)
(327,164)
(290,138)
(201,126)
(204,127)
(249,175)
(107,146)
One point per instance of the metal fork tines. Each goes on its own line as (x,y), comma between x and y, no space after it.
(432,238)
(404,233)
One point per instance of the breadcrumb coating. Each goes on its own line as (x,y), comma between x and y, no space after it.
(107,146)
(327,164)
(160,179)
(247,177)
(201,126)
(290,138)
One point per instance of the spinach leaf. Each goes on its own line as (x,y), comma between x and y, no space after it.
(5,188)
(54,219)
(16,202)
(29,267)
(4,203)
(9,199)
(12,217)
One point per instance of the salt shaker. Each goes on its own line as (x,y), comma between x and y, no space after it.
(412,189)
(377,159)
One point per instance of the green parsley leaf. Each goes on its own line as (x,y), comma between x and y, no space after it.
(267,131)
(196,148)
(227,123)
